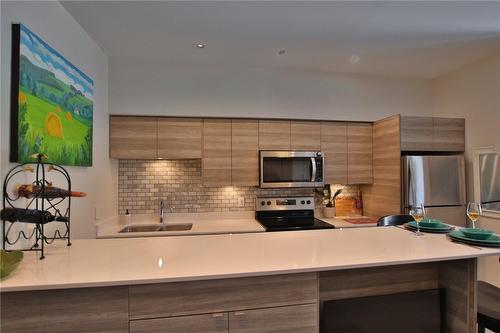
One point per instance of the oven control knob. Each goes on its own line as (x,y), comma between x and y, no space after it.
(308,202)
(262,203)
(302,202)
(269,203)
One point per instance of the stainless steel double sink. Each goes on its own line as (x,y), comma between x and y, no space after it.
(157,227)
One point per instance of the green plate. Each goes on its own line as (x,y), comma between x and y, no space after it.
(476,233)
(493,241)
(9,261)
(432,223)
(436,227)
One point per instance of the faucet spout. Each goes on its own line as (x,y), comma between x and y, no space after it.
(161,211)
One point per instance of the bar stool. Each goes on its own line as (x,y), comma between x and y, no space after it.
(390,220)
(488,307)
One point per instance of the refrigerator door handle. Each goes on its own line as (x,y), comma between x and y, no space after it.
(462,186)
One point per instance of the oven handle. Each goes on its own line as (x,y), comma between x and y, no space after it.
(313,161)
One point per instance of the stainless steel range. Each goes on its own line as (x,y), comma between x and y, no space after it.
(284,214)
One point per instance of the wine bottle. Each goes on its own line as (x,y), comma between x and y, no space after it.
(50,192)
(26,215)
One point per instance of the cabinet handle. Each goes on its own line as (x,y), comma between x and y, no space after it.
(239,313)
(217,315)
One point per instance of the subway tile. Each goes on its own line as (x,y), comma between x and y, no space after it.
(143,183)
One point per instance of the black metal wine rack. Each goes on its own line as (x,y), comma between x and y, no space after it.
(38,210)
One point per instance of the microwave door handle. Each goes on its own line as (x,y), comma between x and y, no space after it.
(313,176)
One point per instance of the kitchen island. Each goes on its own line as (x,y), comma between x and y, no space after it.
(233,280)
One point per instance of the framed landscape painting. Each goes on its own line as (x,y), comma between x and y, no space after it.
(51,104)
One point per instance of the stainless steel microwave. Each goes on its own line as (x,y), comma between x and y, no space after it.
(291,168)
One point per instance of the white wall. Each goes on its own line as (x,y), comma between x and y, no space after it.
(165,89)
(473,92)
(51,22)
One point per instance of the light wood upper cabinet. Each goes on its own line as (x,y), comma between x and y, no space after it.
(417,134)
(359,153)
(432,134)
(305,135)
(449,134)
(296,318)
(334,146)
(133,137)
(245,152)
(274,134)
(203,323)
(216,162)
(179,138)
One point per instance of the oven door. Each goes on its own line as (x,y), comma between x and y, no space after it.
(290,169)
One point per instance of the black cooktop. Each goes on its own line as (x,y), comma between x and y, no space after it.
(297,220)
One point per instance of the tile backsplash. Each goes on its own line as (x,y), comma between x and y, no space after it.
(143,183)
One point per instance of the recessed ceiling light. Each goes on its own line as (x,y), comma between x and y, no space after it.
(354,59)
(281,52)
(200,45)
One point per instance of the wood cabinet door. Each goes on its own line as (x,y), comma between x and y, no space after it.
(449,134)
(359,153)
(204,323)
(305,135)
(417,134)
(195,297)
(386,187)
(216,161)
(133,137)
(334,146)
(286,319)
(274,134)
(103,309)
(245,152)
(179,138)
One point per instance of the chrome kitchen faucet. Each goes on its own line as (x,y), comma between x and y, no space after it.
(161,211)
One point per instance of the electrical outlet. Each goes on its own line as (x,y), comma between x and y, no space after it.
(241,201)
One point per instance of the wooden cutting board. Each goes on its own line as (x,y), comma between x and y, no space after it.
(345,206)
(361,220)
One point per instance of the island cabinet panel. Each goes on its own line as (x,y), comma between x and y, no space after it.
(133,137)
(204,323)
(66,310)
(458,278)
(305,135)
(449,134)
(287,319)
(245,152)
(334,146)
(363,282)
(417,134)
(274,134)
(179,138)
(198,297)
(216,162)
(359,153)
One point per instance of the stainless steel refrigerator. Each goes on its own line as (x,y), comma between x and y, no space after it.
(438,182)
(489,169)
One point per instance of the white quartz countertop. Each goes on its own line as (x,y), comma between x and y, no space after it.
(343,221)
(202,224)
(108,262)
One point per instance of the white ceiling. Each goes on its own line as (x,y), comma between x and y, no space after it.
(421,39)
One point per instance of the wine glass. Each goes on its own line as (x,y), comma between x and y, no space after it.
(418,214)
(473,212)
